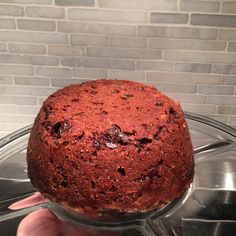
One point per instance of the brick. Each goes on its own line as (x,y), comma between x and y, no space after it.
(36,37)
(91,28)
(187,44)
(232,47)
(155,65)
(229,80)
(127,75)
(224,69)
(7,24)
(174,18)
(30,110)
(226,34)
(229,110)
(28,59)
(85,3)
(53,72)
(40,100)
(229,7)
(90,73)
(108,15)
(175,88)
(25,100)
(26,48)
(11,127)
(232,120)
(27,1)
(29,90)
(193,67)
(8,109)
(11,10)
(45,12)
(176,32)
(199,108)
(38,81)
(170,5)
(16,118)
(5,79)
(188,98)
(64,50)
(3,47)
(88,40)
(213,20)
(221,100)
(205,57)
(199,6)
(216,89)
(189,78)
(123,53)
(16,70)
(220,118)
(128,42)
(98,63)
(36,25)
(232,125)
(58,82)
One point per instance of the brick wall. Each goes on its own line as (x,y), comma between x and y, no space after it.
(187,48)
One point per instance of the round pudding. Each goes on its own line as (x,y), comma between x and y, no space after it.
(110,146)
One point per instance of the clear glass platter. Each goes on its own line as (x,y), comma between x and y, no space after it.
(207,208)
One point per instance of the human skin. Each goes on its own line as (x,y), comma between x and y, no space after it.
(44,222)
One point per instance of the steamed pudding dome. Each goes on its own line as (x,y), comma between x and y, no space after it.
(110,146)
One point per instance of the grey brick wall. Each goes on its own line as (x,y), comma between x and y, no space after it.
(187,48)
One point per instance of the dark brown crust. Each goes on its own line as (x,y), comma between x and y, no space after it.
(110,145)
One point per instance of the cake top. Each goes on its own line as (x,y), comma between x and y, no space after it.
(118,106)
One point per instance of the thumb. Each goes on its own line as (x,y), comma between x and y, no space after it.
(38,223)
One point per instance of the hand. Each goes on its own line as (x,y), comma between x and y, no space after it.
(44,222)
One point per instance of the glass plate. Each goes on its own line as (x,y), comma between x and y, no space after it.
(207,208)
